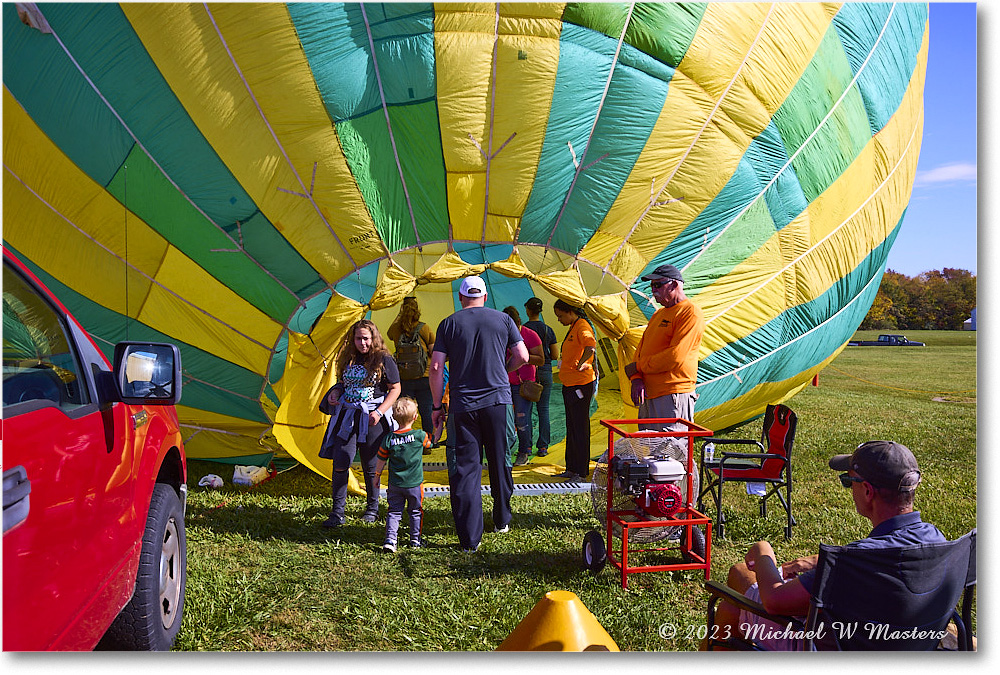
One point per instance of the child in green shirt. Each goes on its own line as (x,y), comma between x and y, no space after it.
(403,451)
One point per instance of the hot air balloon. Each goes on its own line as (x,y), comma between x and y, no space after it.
(247,180)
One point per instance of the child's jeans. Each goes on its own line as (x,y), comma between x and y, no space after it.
(410,499)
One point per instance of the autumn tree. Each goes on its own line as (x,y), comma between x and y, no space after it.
(935,300)
(880,316)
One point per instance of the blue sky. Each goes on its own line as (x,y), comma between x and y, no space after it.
(939,229)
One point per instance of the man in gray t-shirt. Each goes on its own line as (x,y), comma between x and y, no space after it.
(474,342)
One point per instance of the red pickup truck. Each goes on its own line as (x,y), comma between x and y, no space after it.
(94,482)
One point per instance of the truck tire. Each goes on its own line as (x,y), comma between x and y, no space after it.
(152,618)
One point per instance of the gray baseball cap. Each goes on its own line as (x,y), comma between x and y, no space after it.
(664,272)
(884,464)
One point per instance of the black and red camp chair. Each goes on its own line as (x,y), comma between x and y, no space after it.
(771,466)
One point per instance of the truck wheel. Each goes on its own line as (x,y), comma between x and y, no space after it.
(595,555)
(152,618)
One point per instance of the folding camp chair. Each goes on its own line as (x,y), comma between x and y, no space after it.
(875,599)
(772,466)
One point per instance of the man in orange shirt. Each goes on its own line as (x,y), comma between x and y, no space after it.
(665,370)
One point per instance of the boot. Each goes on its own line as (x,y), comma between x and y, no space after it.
(336,518)
(371,488)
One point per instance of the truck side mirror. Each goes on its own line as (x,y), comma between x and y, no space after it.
(148,373)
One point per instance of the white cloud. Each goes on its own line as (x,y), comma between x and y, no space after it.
(949,173)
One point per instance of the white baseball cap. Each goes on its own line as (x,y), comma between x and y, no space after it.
(473,287)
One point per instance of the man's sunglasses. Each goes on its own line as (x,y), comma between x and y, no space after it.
(657,285)
(847,479)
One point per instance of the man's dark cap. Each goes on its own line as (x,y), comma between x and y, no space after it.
(884,464)
(664,272)
(533,305)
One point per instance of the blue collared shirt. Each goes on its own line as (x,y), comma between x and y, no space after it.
(906,529)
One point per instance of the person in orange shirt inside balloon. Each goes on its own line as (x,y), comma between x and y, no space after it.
(665,370)
(579,381)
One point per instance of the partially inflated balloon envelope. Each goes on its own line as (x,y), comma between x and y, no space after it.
(246,181)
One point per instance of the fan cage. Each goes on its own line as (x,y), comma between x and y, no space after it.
(639,448)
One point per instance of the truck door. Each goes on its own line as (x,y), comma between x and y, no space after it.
(66,503)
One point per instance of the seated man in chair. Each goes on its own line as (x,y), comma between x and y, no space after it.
(883,477)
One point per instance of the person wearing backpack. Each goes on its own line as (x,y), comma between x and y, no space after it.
(414,341)
(543,374)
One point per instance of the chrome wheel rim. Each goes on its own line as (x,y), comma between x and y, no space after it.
(170,575)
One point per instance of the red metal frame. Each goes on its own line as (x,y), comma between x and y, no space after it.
(687,516)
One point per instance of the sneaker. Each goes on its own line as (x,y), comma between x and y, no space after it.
(416,544)
(471,550)
(370,516)
(565,474)
(333,521)
(542,452)
(522,459)
(389,547)
(502,530)
(572,477)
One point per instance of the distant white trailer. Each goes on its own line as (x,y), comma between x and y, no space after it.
(970,323)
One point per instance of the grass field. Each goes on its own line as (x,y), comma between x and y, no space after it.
(262,574)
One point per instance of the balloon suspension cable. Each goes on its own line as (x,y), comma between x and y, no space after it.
(653,203)
(326,366)
(388,121)
(489,282)
(35,13)
(590,137)
(312,186)
(239,249)
(274,136)
(128,322)
(489,156)
(493,105)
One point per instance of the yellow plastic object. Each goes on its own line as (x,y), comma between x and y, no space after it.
(560,622)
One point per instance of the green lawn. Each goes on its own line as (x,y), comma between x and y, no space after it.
(262,574)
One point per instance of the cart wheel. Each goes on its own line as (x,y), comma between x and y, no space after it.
(697,543)
(595,555)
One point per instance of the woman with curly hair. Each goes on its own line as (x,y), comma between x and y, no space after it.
(360,405)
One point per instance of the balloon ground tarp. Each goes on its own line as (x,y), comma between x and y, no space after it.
(246,181)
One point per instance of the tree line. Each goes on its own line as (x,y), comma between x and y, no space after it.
(935,300)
